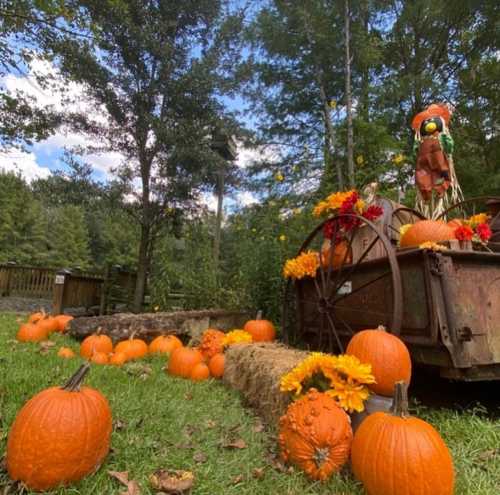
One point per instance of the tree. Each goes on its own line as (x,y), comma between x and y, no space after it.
(152,71)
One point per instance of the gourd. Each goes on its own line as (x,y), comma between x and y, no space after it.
(133,348)
(66,352)
(95,343)
(200,372)
(216,365)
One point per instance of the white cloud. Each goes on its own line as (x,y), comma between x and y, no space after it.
(23,163)
(245,198)
(247,156)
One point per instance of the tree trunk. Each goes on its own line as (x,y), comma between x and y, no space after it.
(218,222)
(350,133)
(142,268)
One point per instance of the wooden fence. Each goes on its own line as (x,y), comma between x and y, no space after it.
(97,293)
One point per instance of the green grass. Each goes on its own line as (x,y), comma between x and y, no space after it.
(167,423)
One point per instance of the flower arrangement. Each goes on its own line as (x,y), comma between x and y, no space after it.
(342,377)
(304,265)
(236,337)
(475,229)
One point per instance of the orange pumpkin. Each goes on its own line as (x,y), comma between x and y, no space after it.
(61,322)
(315,435)
(388,356)
(395,454)
(211,343)
(200,372)
(95,343)
(48,324)
(216,365)
(33,318)
(66,352)
(29,332)
(342,254)
(260,330)
(426,230)
(455,224)
(164,344)
(117,358)
(182,361)
(133,348)
(99,358)
(60,435)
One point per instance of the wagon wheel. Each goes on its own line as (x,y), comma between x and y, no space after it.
(470,207)
(401,216)
(332,302)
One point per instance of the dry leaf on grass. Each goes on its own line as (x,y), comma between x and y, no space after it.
(258,427)
(236,444)
(45,346)
(210,424)
(199,457)
(489,454)
(132,485)
(119,425)
(258,473)
(188,396)
(237,479)
(172,481)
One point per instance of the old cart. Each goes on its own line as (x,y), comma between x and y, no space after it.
(444,305)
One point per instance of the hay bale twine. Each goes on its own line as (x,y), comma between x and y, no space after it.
(255,370)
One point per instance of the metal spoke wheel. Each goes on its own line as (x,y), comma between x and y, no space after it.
(401,216)
(357,286)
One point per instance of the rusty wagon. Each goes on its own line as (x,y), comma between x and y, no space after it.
(444,305)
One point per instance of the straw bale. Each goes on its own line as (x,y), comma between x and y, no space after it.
(255,370)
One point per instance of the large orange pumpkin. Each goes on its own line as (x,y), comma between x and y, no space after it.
(211,343)
(60,435)
(216,365)
(396,454)
(342,254)
(61,322)
(200,372)
(164,344)
(388,356)
(182,361)
(132,347)
(315,435)
(95,343)
(29,332)
(260,330)
(426,230)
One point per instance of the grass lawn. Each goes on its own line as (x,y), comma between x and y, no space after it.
(164,422)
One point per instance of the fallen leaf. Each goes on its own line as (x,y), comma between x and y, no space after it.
(258,473)
(258,427)
(119,425)
(188,396)
(184,446)
(210,424)
(172,481)
(189,430)
(489,454)
(237,479)
(47,343)
(199,457)
(133,487)
(237,444)
(276,463)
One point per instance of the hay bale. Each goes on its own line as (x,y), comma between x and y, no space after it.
(256,370)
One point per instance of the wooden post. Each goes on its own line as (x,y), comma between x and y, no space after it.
(60,283)
(105,291)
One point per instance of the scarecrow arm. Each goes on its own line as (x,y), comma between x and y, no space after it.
(446,143)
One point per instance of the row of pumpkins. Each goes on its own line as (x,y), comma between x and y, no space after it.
(391,453)
(63,434)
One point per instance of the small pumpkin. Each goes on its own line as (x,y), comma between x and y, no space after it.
(61,322)
(96,343)
(48,324)
(117,358)
(200,372)
(211,343)
(66,352)
(29,332)
(455,223)
(182,361)
(410,457)
(260,330)
(426,231)
(133,348)
(315,435)
(164,344)
(342,254)
(216,365)
(60,435)
(99,358)
(388,356)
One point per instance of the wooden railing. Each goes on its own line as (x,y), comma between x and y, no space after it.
(69,288)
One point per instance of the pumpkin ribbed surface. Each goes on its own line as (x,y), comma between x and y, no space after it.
(59,437)
(427,231)
(260,330)
(315,435)
(164,344)
(95,343)
(401,455)
(183,360)
(133,348)
(29,332)
(200,372)
(216,365)
(388,355)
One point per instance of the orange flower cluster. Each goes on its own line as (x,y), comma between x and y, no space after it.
(304,265)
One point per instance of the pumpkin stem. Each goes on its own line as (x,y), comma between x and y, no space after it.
(98,331)
(73,384)
(400,405)
(259,315)
(382,328)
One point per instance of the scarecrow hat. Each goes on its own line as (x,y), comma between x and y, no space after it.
(434,110)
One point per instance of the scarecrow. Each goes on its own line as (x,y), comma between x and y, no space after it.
(435,176)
